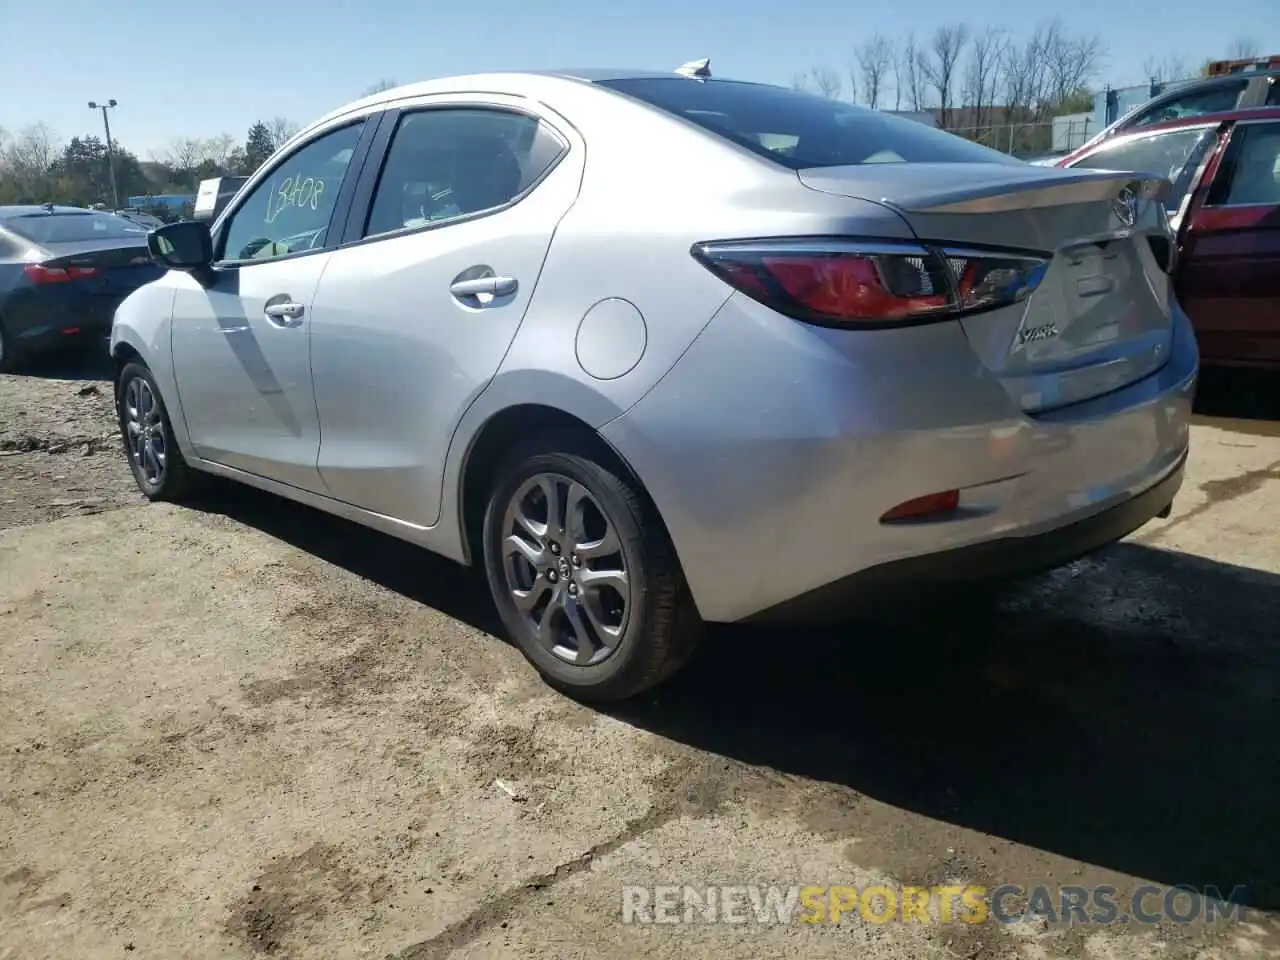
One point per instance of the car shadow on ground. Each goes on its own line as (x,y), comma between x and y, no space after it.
(89,363)
(1240,394)
(1123,711)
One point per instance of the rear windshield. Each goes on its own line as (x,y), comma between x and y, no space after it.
(800,129)
(74,227)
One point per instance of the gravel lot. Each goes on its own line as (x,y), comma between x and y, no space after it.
(244,728)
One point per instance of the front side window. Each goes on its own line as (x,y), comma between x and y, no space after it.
(800,130)
(289,211)
(1250,170)
(1217,99)
(1173,154)
(454,162)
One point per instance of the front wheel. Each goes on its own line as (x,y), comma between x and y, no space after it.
(158,467)
(583,574)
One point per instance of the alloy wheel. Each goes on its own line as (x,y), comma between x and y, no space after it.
(144,431)
(565,569)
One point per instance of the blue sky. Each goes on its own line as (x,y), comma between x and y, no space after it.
(198,70)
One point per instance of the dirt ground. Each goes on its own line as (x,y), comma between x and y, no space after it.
(244,728)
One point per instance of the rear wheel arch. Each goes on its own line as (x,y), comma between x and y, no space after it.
(123,354)
(502,433)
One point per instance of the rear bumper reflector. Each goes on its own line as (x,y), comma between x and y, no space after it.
(930,506)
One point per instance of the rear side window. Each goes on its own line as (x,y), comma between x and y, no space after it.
(453,162)
(1216,99)
(1273,92)
(1250,171)
(74,227)
(801,130)
(1173,154)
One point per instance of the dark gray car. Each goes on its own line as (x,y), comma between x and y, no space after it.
(63,272)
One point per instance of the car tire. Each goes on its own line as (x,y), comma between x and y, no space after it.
(614,622)
(158,466)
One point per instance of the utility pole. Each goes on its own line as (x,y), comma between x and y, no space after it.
(111,150)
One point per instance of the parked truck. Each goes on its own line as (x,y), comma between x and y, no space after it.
(214,194)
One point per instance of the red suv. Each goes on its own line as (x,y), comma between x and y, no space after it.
(1225,207)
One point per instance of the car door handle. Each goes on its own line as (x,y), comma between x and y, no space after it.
(481,286)
(285,314)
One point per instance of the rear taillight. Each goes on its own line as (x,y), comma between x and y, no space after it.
(868,285)
(39,273)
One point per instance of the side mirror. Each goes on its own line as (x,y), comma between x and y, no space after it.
(186,245)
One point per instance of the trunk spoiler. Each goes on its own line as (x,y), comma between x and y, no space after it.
(1032,194)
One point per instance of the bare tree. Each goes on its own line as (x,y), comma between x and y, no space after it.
(1071,62)
(1242,48)
(909,57)
(218,149)
(827,82)
(982,74)
(184,154)
(896,66)
(1024,84)
(27,158)
(875,59)
(939,65)
(1171,66)
(800,81)
(281,130)
(384,84)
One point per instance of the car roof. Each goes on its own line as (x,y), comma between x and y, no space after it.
(30,209)
(1175,91)
(1204,119)
(510,82)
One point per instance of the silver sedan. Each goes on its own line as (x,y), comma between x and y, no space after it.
(659,349)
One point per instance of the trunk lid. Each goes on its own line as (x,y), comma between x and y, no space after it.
(1100,316)
(120,266)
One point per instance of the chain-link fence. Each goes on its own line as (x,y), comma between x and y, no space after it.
(1031,138)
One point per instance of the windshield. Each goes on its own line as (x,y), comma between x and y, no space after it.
(74,227)
(802,130)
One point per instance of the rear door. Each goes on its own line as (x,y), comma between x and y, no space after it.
(1229,264)
(447,236)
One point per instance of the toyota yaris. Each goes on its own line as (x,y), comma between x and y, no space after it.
(654,350)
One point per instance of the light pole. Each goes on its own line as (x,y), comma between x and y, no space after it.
(111,150)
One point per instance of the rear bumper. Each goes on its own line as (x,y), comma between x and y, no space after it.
(772,449)
(990,560)
(37,321)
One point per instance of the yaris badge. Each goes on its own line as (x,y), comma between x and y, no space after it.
(1036,334)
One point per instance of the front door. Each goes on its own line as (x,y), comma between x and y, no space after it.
(240,344)
(413,317)
(1229,271)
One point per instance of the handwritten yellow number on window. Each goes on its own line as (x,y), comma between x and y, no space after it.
(294,192)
